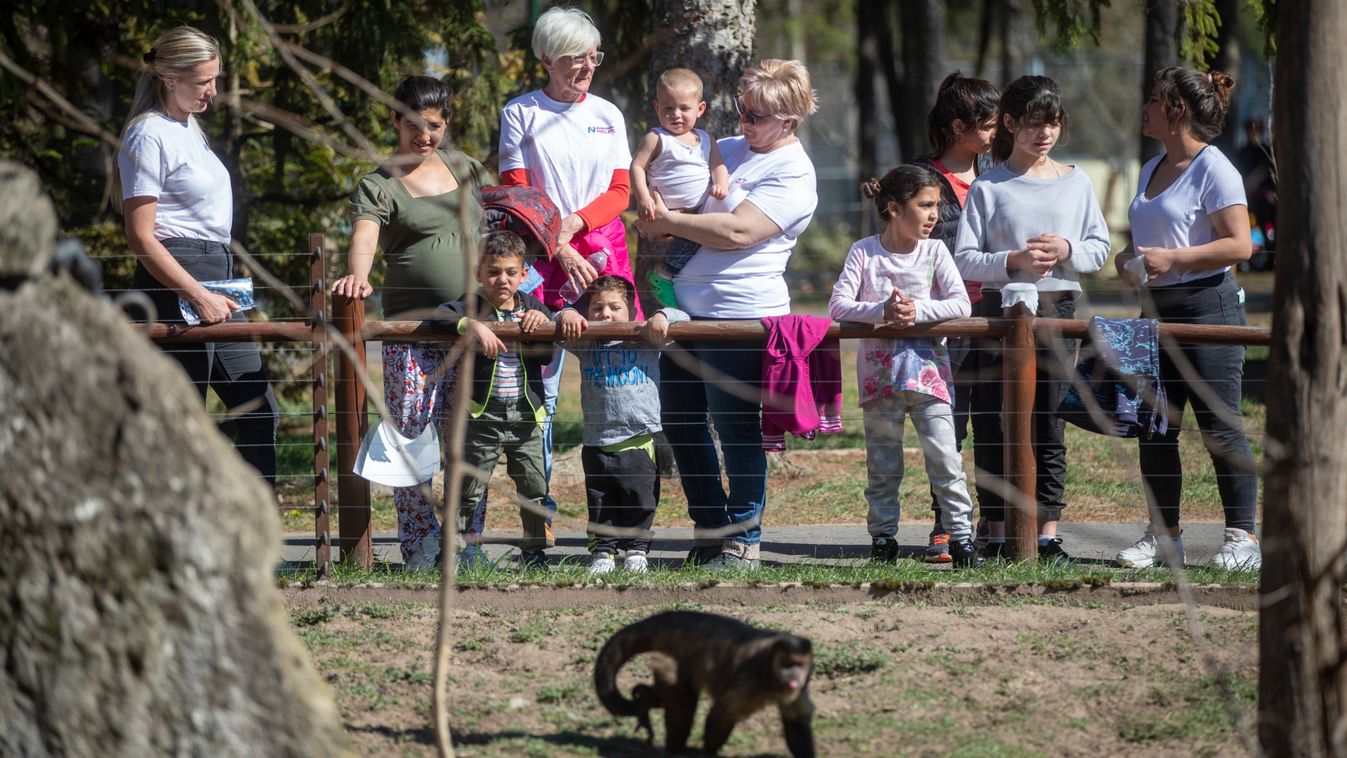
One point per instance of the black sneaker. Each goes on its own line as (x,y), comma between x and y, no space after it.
(1052,550)
(700,555)
(996,551)
(883,549)
(533,560)
(963,554)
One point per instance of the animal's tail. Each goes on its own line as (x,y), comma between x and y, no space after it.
(626,644)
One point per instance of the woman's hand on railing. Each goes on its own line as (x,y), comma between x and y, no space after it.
(352,286)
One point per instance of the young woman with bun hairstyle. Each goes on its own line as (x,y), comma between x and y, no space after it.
(1190,224)
(960,128)
(1030,220)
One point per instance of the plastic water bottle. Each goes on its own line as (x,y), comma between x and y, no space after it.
(569,291)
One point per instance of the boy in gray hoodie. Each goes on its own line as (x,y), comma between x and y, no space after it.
(619,393)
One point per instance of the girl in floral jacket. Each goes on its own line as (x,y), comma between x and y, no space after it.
(903,277)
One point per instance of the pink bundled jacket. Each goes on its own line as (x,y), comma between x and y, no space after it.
(801,380)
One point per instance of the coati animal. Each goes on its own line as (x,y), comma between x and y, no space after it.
(742,669)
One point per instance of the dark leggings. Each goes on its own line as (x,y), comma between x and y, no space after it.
(1056,358)
(1209,377)
(233,369)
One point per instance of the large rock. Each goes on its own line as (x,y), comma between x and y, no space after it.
(138,612)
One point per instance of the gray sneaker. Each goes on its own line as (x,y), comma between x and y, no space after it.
(731,562)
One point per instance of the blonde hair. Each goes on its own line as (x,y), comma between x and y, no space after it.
(779,88)
(564,31)
(175,53)
(680,80)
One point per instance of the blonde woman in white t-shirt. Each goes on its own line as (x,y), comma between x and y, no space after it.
(1190,224)
(178,209)
(746,239)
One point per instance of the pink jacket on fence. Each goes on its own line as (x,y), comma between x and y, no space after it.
(801,380)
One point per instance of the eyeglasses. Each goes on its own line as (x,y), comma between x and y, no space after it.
(746,114)
(576,61)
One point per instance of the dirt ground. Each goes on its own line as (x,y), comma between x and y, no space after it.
(959,671)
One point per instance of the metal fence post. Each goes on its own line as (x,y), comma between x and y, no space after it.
(318,323)
(1018,371)
(353,520)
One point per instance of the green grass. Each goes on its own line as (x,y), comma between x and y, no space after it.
(906,575)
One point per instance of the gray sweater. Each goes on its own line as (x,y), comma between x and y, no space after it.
(619,387)
(1004,210)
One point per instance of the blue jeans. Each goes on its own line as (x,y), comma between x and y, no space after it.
(1214,300)
(690,396)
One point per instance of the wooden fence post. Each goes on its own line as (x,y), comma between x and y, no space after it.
(1018,372)
(321,491)
(353,515)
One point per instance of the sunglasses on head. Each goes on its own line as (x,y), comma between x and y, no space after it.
(747,115)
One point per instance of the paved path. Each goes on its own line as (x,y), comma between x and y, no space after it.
(827,544)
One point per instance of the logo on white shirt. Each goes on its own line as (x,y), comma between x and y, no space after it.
(602,130)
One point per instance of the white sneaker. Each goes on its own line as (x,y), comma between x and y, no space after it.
(602,563)
(636,563)
(472,555)
(1149,551)
(1239,552)
(426,555)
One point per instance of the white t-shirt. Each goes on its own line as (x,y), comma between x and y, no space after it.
(748,283)
(570,150)
(681,174)
(1181,215)
(170,161)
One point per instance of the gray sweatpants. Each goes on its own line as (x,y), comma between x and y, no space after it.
(934,422)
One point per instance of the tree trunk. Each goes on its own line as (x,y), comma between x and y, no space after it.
(986,15)
(713,38)
(923,26)
(1302,677)
(1162,51)
(870,20)
(1016,28)
(1229,55)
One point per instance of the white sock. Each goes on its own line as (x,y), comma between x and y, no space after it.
(1046,539)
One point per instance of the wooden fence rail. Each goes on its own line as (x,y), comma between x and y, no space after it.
(1018,329)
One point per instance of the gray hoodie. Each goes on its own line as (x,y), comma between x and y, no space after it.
(619,387)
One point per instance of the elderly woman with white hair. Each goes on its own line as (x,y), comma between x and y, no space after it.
(572,145)
(738,273)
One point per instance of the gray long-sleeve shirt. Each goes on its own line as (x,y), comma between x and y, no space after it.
(619,387)
(1004,210)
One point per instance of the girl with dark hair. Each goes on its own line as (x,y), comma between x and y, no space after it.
(178,207)
(960,128)
(1037,221)
(422,209)
(903,276)
(1190,224)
